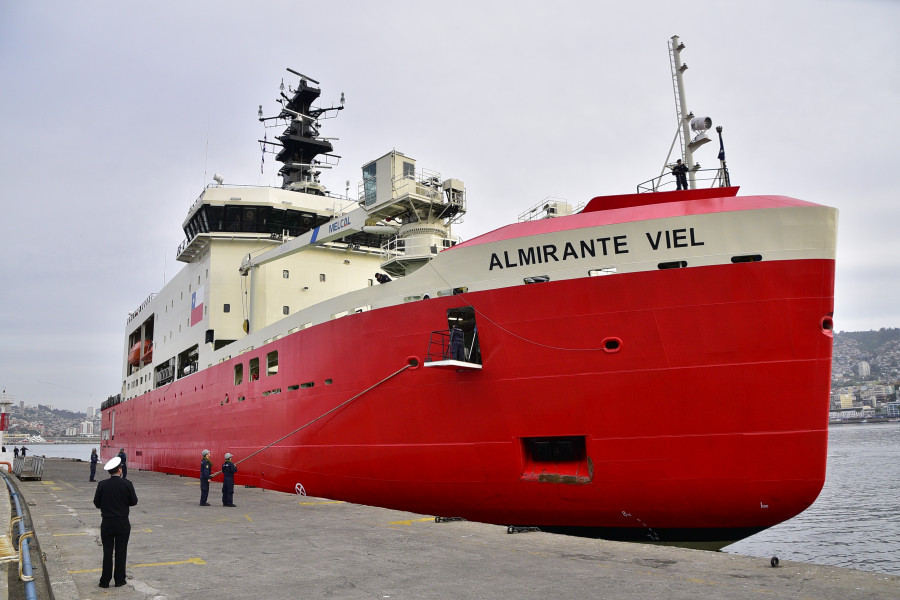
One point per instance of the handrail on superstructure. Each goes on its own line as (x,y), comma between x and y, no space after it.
(666,182)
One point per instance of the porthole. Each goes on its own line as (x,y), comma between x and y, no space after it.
(611,345)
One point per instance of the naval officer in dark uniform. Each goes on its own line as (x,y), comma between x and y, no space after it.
(94,460)
(205,473)
(124,458)
(228,470)
(113,497)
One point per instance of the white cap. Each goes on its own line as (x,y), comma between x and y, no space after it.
(205,452)
(228,455)
(113,464)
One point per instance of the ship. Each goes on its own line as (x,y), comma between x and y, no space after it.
(652,366)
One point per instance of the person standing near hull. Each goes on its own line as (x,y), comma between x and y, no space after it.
(113,497)
(94,460)
(205,471)
(124,458)
(228,470)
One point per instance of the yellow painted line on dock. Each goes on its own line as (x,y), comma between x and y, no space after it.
(247,516)
(190,561)
(411,521)
(318,503)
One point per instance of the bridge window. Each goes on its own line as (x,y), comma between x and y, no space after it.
(369,183)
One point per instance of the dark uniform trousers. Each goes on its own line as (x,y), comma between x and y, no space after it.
(114,533)
(204,490)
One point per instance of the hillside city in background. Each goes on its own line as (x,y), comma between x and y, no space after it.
(865,375)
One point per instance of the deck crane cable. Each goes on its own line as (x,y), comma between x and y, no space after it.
(512,333)
(323,415)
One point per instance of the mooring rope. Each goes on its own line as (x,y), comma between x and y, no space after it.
(322,416)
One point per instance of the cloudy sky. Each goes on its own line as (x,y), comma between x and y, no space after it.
(114,115)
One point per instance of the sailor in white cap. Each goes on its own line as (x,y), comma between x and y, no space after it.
(228,470)
(113,497)
(205,472)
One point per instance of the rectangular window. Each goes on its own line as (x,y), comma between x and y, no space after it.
(285,310)
(409,170)
(272,363)
(285,274)
(369,184)
(254,369)
(239,374)
(321,276)
(226,308)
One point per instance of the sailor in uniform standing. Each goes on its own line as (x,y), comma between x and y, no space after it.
(124,458)
(94,460)
(228,470)
(113,497)
(205,471)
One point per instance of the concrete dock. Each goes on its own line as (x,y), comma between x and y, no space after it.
(276,545)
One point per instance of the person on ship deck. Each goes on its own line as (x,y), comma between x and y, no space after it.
(680,172)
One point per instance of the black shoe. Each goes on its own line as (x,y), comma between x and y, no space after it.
(205,504)
(104,585)
(119,584)
(232,505)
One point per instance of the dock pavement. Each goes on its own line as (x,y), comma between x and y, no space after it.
(276,545)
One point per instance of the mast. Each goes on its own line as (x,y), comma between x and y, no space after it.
(300,142)
(686,119)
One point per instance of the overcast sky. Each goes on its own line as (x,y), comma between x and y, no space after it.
(114,115)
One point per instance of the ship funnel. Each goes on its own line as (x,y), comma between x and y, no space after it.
(701,123)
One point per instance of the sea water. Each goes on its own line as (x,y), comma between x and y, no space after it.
(855,522)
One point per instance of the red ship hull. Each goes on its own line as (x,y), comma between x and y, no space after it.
(705,419)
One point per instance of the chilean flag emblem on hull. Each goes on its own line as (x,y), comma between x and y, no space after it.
(197,306)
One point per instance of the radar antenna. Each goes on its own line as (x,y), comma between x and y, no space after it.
(300,142)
